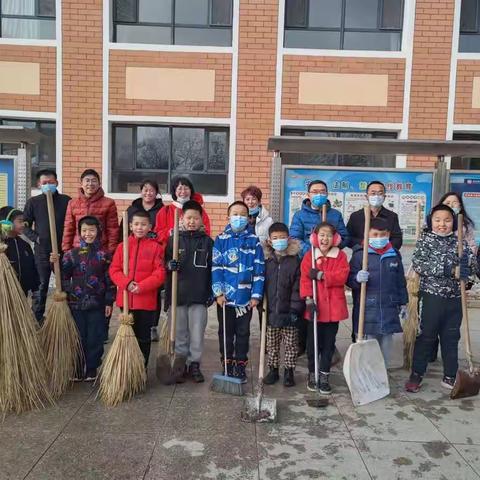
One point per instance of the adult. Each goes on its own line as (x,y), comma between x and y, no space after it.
(181,189)
(310,215)
(258,216)
(91,200)
(375,194)
(37,229)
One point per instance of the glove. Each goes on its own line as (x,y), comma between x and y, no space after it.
(173,265)
(315,274)
(464,267)
(362,276)
(403,315)
(310,307)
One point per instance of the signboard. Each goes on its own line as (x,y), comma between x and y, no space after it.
(7,182)
(346,191)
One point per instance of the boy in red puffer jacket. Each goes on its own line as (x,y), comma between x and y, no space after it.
(145,275)
(331,273)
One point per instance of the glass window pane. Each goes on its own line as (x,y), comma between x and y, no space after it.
(188,149)
(468,16)
(325,13)
(191,12)
(46,8)
(221,12)
(18,7)
(221,37)
(217,151)
(153,147)
(469,43)
(209,184)
(123,151)
(130,181)
(392,14)
(296,13)
(389,41)
(143,34)
(28,28)
(126,10)
(159,11)
(47,146)
(362,14)
(312,39)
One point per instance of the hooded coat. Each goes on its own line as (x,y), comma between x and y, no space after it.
(21,258)
(263,221)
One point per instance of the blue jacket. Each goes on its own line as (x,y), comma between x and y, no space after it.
(307,218)
(237,267)
(386,291)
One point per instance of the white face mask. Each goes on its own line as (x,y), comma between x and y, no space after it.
(182,200)
(376,200)
(442,234)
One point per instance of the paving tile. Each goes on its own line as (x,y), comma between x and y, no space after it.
(471,454)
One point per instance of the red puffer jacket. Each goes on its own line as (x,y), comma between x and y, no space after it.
(145,267)
(166,218)
(99,206)
(331,300)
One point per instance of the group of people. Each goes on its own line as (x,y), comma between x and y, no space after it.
(254,257)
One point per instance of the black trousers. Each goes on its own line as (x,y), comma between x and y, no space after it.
(326,334)
(142,326)
(302,328)
(439,317)
(39,298)
(238,333)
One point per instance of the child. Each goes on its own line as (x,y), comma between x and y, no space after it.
(440,309)
(90,293)
(386,288)
(285,307)
(330,272)
(194,268)
(18,251)
(145,275)
(237,281)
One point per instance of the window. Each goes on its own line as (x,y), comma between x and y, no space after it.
(469,40)
(173,22)
(43,155)
(344,24)
(466,163)
(386,161)
(161,152)
(33,19)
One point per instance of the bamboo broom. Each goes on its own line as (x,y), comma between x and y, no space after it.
(123,372)
(59,335)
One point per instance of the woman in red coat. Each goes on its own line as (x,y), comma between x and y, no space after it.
(331,273)
(182,191)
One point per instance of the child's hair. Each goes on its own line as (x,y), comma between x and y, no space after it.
(325,225)
(192,205)
(253,191)
(91,221)
(378,224)
(315,182)
(181,181)
(9,213)
(238,202)
(48,172)
(89,171)
(439,208)
(141,214)
(278,227)
(375,182)
(151,183)
(468,221)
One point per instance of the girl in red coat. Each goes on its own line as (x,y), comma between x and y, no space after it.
(145,275)
(331,273)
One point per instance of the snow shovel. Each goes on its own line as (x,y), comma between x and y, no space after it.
(364,367)
(259,409)
(170,367)
(467,383)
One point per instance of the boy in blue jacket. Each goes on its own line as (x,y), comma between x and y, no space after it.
(386,288)
(237,281)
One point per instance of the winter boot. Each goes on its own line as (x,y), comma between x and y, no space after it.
(272,376)
(323,384)
(240,371)
(288,378)
(195,373)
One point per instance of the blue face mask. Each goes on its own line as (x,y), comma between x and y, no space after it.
(238,222)
(456,210)
(48,187)
(280,244)
(319,200)
(378,243)
(254,210)
(376,200)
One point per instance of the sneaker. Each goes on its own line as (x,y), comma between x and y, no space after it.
(448,382)
(91,375)
(311,383)
(272,376)
(323,384)
(288,378)
(240,371)
(154,334)
(195,373)
(414,383)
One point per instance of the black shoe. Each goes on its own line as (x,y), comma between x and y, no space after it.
(230,369)
(91,375)
(323,384)
(311,383)
(414,383)
(448,382)
(288,378)
(272,376)
(240,371)
(195,373)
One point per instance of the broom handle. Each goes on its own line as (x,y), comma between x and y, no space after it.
(418,225)
(261,366)
(314,319)
(363,286)
(324,213)
(224,338)
(54,241)
(174,283)
(125,259)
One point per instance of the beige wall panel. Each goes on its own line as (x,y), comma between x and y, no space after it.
(476,92)
(20,78)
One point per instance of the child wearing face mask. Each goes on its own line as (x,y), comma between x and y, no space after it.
(285,307)
(237,281)
(386,287)
(435,259)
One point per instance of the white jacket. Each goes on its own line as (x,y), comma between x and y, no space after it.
(263,223)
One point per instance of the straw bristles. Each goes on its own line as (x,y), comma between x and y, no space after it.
(23,373)
(61,343)
(410,329)
(165,338)
(123,372)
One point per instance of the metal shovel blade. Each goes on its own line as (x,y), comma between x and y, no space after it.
(267,413)
(466,385)
(365,372)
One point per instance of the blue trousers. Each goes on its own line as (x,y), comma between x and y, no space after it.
(91,326)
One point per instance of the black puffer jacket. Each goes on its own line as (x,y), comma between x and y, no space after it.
(22,260)
(137,206)
(282,285)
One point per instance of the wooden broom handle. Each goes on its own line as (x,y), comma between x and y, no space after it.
(363,286)
(261,366)
(324,213)
(173,325)
(54,241)
(418,225)
(125,259)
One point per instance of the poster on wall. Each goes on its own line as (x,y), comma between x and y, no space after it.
(467,185)
(346,192)
(7,182)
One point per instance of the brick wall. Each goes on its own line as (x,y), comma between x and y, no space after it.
(466,71)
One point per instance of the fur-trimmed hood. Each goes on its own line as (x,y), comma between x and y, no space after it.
(292,250)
